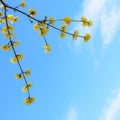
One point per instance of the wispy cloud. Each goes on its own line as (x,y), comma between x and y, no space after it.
(113,107)
(72,114)
(105,17)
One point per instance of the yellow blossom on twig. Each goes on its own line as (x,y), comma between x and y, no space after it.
(18,57)
(75,35)
(47,48)
(16,43)
(23,4)
(32,12)
(5,47)
(28,72)
(62,35)
(29,101)
(36,26)
(18,76)
(87,37)
(27,87)
(52,21)
(67,20)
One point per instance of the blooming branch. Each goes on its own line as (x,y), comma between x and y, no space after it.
(42,26)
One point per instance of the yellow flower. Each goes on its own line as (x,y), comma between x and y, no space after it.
(11,28)
(63,28)
(29,101)
(47,48)
(28,72)
(6,35)
(5,29)
(16,43)
(10,16)
(5,47)
(18,76)
(36,27)
(19,56)
(75,35)
(52,21)
(15,19)
(23,4)
(62,35)
(84,21)
(13,60)
(27,87)
(44,31)
(67,20)
(86,37)
(32,12)
(0,13)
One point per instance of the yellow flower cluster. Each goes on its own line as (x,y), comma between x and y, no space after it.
(32,12)
(29,101)
(67,20)
(44,31)
(85,21)
(63,31)
(75,35)
(5,32)
(47,48)
(12,18)
(7,20)
(6,47)
(27,87)
(18,57)
(42,28)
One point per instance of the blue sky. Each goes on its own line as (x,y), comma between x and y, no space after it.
(77,80)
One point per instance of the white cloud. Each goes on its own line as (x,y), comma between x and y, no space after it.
(72,114)
(105,17)
(113,107)
(110,23)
